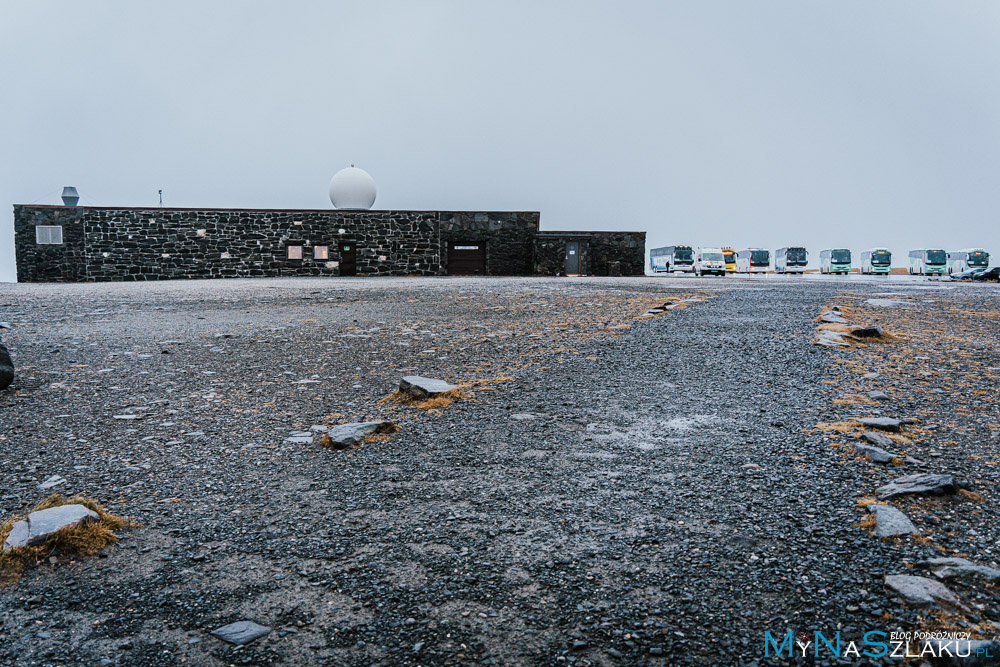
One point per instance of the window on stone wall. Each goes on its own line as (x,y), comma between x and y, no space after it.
(294,252)
(321,252)
(48,235)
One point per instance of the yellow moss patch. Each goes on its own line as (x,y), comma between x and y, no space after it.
(84,539)
(442,400)
(869,500)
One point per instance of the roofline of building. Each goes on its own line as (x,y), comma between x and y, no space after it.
(264,210)
(558,232)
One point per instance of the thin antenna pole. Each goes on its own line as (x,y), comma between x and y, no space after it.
(161,198)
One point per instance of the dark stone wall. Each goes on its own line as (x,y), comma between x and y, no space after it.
(106,244)
(601,253)
(49,263)
(507,238)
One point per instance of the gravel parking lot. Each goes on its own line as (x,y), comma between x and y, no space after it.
(611,489)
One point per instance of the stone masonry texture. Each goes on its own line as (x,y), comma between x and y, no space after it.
(128,244)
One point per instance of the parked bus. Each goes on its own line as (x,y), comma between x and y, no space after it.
(968,259)
(730,256)
(876,260)
(928,262)
(791,260)
(709,260)
(835,260)
(753,261)
(672,258)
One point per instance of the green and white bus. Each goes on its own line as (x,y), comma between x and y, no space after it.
(928,262)
(968,259)
(835,260)
(876,261)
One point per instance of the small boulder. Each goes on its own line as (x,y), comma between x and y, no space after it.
(878,439)
(920,592)
(960,568)
(878,396)
(874,454)
(343,436)
(241,632)
(6,367)
(867,332)
(41,524)
(831,339)
(51,482)
(890,522)
(882,423)
(421,387)
(923,484)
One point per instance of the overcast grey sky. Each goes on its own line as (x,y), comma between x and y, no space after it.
(745,123)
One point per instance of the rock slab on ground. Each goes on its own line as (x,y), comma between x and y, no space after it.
(924,484)
(241,632)
(867,332)
(878,439)
(832,318)
(920,592)
(890,522)
(421,387)
(41,524)
(881,423)
(960,568)
(343,436)
(875,454)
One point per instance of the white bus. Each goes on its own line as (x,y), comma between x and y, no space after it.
(928,262)
(792,259)
(876,261)
(753,260)
(709,260)
(672,258)
(835,260)
(968,259)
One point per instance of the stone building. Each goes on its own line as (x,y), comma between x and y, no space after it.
(92,244)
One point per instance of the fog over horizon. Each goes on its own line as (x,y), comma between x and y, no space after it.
(848,124)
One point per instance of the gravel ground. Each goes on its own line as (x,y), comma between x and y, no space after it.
(611,490)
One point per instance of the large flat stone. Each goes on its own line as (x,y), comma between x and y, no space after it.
(924,484)
(40,525)
(343,436)
(6,367)
(921,592)
(878,439)
(875,454)
(881,423)
(421,387)
(832,318)
(890,522)
(960,568)
(241,632)
(867,332)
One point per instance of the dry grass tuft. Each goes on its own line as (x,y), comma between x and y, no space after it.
(970,495)
(867,523)
(869,500)
(85,539)
(442,400)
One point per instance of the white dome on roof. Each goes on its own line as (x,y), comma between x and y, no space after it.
(352,188)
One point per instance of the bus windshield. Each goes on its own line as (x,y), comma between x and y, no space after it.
(936,257)
(978,258)
(711,256)
(760,257)
(840,256)
(881,258)
(682,254)
(795,256)
(730,257)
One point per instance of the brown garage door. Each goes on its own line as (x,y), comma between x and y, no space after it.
(466,259)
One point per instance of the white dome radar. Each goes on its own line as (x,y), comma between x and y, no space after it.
(352,188)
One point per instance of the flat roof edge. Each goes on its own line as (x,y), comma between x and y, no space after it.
(265,210)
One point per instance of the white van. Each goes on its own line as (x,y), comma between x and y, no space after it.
(709,260)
